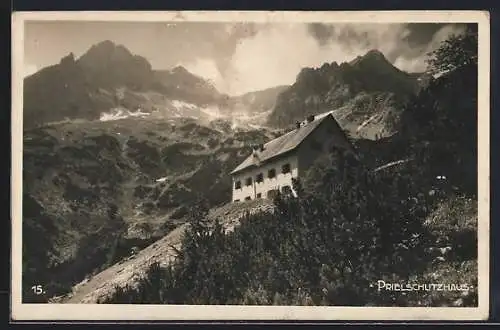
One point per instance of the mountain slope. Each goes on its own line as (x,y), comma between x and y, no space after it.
(365,92)
(179,83)
(414,224)
(107,76)
(258,101)
(130,271)
(95,190)
(109,81)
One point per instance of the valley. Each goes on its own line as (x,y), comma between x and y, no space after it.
(106,187)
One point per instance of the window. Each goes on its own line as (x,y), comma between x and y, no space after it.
(271,174)
(259,195)
(237,185)
(248,198)
(260,177)
(236,200)
(285,168)
(286,190)
(248,181)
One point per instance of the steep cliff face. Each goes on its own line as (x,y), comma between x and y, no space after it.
(108,65)
(179,83)
(107,76)
(108,80)
(365,94)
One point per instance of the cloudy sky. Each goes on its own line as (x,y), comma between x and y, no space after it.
(238,57)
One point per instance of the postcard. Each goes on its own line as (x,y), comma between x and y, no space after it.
(223,165)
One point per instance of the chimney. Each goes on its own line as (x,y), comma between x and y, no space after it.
(261,147)
(310,118)
(255,148)
(297,124)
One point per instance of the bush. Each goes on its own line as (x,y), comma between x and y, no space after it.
(325,247)
(351,226)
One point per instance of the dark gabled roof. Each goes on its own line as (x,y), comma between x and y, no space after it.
(281,145)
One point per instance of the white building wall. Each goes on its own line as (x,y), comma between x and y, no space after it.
(278,182)
(322,140)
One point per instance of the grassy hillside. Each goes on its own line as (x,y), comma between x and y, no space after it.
(330,246)
(354,223)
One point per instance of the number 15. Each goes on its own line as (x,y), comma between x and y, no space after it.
(37,289)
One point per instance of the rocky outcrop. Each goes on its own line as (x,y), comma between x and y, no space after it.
(365,95)
(108,79)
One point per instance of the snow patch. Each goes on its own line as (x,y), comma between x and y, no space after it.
(212,112)
(254,126)
(181,104)
(117,113)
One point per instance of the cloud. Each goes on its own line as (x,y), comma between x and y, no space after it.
(417,63)
(239,57)
(357,37)
(274,54)
(206,68)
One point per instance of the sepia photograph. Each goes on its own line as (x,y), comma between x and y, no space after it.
(250,165)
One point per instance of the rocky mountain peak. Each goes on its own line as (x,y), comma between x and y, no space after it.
(375,53)
(367,88)
(106,51)
(180,69)
(181,73)
(68,59)
(106,46)
(373,56)
(111,80)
